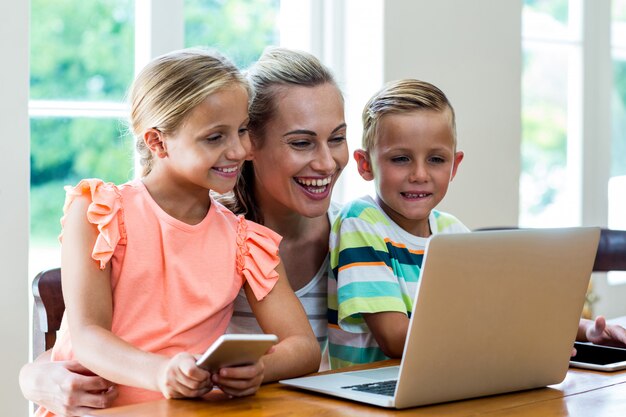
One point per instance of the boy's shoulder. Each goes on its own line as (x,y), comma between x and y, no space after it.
(364,209)
(446,223)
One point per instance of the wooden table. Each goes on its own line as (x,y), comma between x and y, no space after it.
(582,393)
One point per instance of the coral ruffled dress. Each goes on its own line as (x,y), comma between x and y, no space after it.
(173,283)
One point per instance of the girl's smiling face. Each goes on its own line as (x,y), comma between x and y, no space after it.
(208,150)
(303,151)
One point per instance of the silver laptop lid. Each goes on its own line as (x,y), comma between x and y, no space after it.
(495,312)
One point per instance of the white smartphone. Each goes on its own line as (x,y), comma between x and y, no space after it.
(236,350)
(597,357)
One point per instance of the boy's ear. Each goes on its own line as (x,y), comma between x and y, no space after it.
(155,142)
(363,164)
(458,157)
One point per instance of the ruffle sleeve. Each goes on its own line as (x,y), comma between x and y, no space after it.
(257,256)
(104,211)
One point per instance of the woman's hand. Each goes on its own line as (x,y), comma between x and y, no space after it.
(601,333)
(240,381)
(66,388)
(181,378)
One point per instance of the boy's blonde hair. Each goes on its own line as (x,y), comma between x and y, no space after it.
(171,86)
(402,96)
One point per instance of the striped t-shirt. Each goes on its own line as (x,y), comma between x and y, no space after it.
(375,268)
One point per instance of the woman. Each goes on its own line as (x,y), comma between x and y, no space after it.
(298,135)
(299,148)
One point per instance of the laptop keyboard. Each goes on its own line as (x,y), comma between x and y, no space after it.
(382,388)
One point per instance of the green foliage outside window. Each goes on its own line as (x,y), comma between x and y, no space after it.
(81,50)
(240,29)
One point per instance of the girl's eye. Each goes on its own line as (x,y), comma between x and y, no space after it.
(213,138)
(243,131)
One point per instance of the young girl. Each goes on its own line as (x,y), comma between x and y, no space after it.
(151,267)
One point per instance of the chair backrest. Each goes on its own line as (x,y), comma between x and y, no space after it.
(611,255)
(47,310)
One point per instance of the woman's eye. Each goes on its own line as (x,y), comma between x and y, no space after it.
(338,139)
(300,144)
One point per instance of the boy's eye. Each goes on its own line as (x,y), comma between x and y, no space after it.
(436,160)
(399,159)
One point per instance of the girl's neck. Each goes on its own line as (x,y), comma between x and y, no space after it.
(187,204)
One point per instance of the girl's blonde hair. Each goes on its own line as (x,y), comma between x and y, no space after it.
(170,87)
(276,70)
(402,96)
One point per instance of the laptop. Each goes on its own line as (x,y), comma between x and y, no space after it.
(495,312)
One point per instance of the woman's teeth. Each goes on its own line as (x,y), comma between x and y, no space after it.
(319,182)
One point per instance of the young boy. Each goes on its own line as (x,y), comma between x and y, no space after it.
(377,244)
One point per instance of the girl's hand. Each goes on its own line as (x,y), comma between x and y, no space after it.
(181,378)
(240,381)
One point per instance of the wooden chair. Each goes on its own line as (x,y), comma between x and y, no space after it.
(47,310)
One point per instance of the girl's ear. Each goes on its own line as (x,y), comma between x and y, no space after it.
(155,142)
(363,164)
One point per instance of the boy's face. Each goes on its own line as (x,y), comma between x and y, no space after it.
(412,163)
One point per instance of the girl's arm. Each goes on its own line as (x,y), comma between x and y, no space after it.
(282,314)
(88,301)
(389,329)
(66,388)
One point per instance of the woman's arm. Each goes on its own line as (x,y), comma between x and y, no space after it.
(282,314)
(88,301)
(66,388)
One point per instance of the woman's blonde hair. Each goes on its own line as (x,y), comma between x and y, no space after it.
(276,70)
(402,96)
(170,87)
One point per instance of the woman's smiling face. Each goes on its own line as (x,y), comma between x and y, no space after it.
(303,151)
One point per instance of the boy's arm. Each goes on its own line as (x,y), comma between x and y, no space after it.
(365,254)
(389,330)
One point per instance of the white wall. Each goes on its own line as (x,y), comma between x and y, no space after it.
(472,51)
(14,182)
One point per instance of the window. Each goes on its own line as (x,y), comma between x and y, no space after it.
(81,64)
(83,57)
(551,94)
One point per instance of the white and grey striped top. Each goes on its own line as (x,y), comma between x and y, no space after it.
(313,297)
